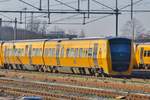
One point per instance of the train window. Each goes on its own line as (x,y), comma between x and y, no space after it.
(145,53)
(26,50)
(67,52)
(33,52)
(62,52)
(46,52)
(71,52)
(11,52)
(36,51)
(76,52)
(86,52)
(54,52)
(148,53)
(83,53)
(15,52)
(50,52)
(40,52)
(80,52)
(90,52)
(5,51)
(18,52)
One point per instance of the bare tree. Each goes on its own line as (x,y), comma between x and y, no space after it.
(37,25)
(82,34)
(129,26)
(43,28)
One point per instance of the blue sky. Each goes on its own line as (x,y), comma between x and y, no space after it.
(101,27)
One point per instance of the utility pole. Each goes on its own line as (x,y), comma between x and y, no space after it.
(15,29)
(133,37)
(88,8)
(117,13)
(40,8)
(31,21)
(48,11)
(0,22)
(78,5)
(25,18)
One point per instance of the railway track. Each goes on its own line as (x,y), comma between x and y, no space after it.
(42,76)
(63,91)
(80,86)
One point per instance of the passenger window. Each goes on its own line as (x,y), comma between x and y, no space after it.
(26,50)
(62,52)
(33,52)
(40,52)
(50,52)
(67,53)
(46,52)
(76,52)
(72,52)
(80,52)
(54,52)
(86,52)
(83,52)
(90,52)
(147,54)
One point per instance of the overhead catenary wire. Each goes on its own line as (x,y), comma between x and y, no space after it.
(91,21)
(134,3)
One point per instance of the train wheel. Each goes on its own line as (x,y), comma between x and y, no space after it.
(55,69)
(83,71)
(21,66)
(5,66)
(50,69)
(10,67)
(72,70)
(17,67)
(91,71)
(45,69)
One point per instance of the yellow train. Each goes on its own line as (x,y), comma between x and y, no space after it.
(107,56)
(143,55)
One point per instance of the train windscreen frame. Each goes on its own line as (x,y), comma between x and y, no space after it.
(120,49)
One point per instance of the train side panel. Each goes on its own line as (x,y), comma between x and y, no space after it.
(37,52)
(1,55)
(50,53)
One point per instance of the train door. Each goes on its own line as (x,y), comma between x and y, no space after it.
(141,55)
(30,54)
(57,54)
(95,60)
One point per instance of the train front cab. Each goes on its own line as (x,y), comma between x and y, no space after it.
(121,56)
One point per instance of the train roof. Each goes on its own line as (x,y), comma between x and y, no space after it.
(66,39)
(144,43)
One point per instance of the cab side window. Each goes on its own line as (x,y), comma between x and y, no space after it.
(149,53)
(145,53)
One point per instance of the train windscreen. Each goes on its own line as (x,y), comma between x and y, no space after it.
(120,54)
